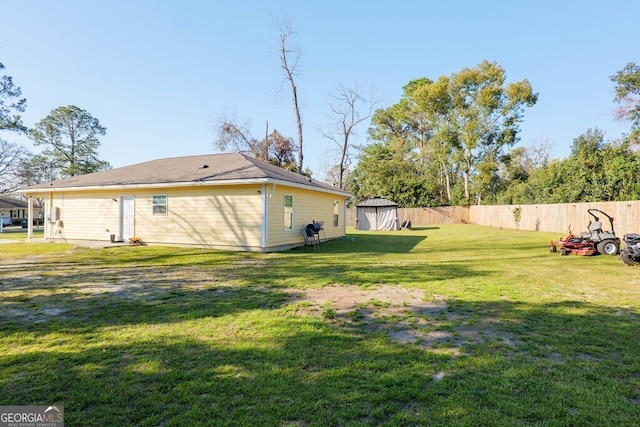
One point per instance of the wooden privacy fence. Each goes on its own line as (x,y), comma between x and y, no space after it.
(554,218)
(558,217)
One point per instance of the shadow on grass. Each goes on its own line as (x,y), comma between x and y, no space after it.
(422,227)
(94,306)
(95,297)
(380,242)
(305,273)
(577,362)
(300,267)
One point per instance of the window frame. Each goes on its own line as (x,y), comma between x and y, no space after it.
(164,205)
(288,211)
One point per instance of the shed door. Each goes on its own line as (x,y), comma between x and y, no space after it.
(126,218)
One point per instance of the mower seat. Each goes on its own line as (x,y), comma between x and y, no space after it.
(595,228)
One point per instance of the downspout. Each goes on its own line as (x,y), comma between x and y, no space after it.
(265,213)
(264,232)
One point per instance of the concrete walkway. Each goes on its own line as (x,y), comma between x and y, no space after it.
(95,244)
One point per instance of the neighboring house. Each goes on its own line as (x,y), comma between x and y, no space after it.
(227,201)
(13,211)
(377,213)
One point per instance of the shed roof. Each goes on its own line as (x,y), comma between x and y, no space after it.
(226,168)
(377,202)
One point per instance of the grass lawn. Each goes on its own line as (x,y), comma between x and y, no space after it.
(19,234)
(451,325)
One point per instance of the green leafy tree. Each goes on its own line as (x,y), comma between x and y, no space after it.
(11,104)
(587,178)
(620,173)
(69,137)
(402,124)
(544,185)
(477,113)
(487,181)
(442,144)
(458,128)
(515,169)
(383,171)
(594,171)
(627,89)
(405,126)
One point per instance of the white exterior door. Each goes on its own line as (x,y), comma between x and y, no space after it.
(126,218)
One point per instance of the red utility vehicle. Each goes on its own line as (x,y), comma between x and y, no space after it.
(592,242)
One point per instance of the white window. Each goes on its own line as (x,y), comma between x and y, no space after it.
(336,213)
(288,212)
(160,205)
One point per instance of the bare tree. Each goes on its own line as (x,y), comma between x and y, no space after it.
(281,150)
(233,136)
(274,147)
(538,152)
(12,160)
(289,61)
(349,107)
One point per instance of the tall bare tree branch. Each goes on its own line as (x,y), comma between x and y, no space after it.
(349,107)
(289,61)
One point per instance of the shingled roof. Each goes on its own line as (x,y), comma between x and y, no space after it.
(11,203)
(228,168)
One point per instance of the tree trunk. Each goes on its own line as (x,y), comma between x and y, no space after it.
(289,70)
(299,123)
(447,180)
(466,173)
(343,159)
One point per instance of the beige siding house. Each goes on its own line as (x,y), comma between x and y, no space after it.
(226,201)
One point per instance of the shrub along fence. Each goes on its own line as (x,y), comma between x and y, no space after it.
(554,217)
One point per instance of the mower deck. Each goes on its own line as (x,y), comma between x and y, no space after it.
(572,247)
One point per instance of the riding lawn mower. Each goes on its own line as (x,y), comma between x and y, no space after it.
(592,242)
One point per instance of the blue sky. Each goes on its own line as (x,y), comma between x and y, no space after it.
(158,74)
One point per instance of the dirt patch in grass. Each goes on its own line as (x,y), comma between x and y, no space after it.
(406,316)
